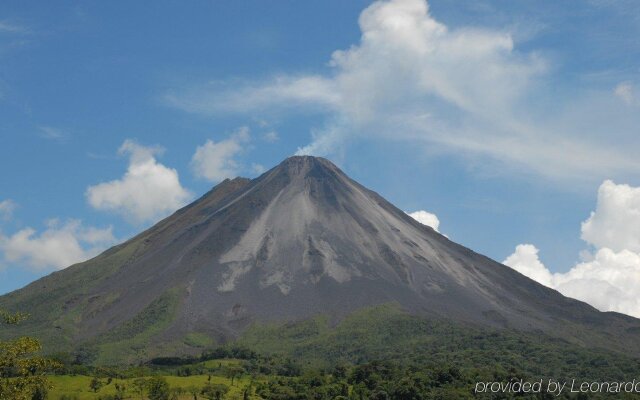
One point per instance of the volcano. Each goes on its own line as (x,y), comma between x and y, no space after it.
(301,240)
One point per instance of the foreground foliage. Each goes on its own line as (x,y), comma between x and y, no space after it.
(22,372)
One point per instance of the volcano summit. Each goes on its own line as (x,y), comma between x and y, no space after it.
(302,239)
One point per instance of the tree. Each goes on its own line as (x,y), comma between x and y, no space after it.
(406,390)
(139,385)
(379,394)
(40,393)
(95,384)
(214,392)
(233,371)
(22,373)
(158,388)
(121,391)
(340,371)
(246,393)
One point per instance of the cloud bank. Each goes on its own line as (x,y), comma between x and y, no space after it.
(147,191)
(608,278)
(58,246)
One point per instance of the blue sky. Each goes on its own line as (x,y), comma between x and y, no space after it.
(502,118)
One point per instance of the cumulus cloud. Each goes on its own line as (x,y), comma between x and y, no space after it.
(426,218)
(615,223)
(147,191)
(216,161)
(58,246)
(6,209)
(609,282)
(412,78)
(525,260)
(610,278)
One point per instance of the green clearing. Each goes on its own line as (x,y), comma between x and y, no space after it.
(78,387)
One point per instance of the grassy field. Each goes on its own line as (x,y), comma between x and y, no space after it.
(79,386)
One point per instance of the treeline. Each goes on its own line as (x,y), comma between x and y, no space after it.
(376,380)
(236,352)
(252,363)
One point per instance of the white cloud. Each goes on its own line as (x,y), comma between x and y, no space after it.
(324,142)
(285,91)
(615,223)
(609,282)
(624,91)
(58,246)
(426,218)
(216,161)
(525,260)
(467,91)
(6,209)
(147,191)
(610,278)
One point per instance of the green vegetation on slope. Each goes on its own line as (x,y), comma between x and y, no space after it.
(130,341)
(387,333)
(376,353)
(59,301)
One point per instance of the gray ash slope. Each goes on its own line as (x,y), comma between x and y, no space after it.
(300,240)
